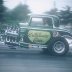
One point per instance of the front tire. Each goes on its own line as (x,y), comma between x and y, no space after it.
(59,46)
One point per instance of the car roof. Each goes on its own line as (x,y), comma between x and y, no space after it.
(44,15)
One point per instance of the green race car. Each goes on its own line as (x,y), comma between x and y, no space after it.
(41,32)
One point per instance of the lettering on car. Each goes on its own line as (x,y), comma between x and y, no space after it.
(40,37)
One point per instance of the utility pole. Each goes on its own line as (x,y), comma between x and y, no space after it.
(54,2)
(24,2)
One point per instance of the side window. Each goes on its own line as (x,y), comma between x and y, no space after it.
(47,22)
(41,22)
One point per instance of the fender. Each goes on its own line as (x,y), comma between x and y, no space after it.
(65,34)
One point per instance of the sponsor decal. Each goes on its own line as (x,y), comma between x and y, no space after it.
(40,37)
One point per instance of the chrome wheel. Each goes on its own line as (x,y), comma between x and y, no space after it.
(59,47)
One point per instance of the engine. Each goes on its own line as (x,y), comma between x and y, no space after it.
(12,36)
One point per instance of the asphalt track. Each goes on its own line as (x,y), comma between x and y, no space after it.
(33,60)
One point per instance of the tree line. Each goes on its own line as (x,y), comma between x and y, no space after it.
(65,16)
(20,14)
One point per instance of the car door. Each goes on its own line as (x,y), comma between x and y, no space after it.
(38,32)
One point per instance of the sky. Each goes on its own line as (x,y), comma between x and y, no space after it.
(39,6)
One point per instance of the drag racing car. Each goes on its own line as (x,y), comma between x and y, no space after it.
(40,32)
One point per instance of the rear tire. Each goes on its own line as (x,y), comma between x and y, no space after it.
(59,46)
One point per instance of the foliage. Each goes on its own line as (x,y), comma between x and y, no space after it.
(52,11)
(65,16)
(18,14)
(2,9)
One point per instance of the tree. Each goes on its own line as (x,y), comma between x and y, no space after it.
(20,13)
(2,8)
(53,11)
(66,15)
